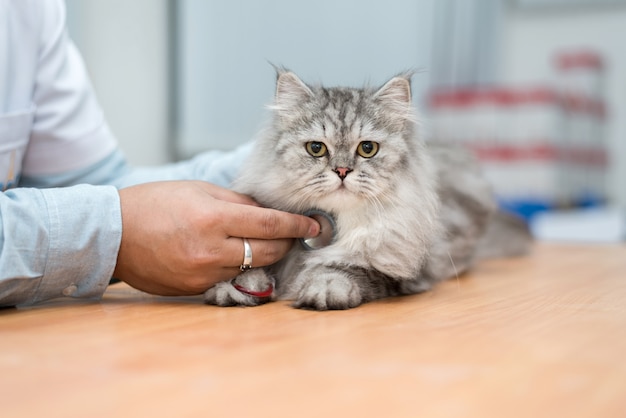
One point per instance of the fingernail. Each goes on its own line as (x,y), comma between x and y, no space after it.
(314,230)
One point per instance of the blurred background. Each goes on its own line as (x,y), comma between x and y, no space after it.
(535,88)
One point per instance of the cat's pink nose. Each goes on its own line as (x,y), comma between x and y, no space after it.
(342,172)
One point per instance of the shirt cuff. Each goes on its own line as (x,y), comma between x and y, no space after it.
(85,231)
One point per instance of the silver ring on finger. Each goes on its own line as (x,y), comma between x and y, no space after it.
(247,256)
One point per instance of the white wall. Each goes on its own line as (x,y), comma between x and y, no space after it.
(226,80)
(124,44)
(530,39)
(224,77)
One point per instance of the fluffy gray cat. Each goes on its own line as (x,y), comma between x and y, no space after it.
(407,213)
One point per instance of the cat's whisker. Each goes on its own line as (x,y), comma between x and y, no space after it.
(388,200)
(456,273)
(377,204)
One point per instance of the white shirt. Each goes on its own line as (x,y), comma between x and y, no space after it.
(50,121)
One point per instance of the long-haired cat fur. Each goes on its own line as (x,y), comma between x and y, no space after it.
(408,213)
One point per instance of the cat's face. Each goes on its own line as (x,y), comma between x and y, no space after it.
(338,148)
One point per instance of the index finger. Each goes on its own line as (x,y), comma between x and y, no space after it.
(225,194)
(264,223)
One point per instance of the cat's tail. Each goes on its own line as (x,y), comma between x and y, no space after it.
(505,235)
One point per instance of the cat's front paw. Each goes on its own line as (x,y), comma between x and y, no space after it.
(251,288)
(327,291)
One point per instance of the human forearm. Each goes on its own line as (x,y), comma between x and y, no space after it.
(216,167)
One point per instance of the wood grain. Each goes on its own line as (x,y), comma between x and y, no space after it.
(540,336)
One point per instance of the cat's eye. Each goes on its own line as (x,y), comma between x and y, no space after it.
(367,149)
(316,149)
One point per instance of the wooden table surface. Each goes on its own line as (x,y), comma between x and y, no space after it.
(540,336)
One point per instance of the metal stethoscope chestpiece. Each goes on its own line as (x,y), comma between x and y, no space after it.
(327,230)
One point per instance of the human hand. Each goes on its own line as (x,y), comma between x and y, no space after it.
(182,237)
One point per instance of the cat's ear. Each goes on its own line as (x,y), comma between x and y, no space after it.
(396,92)
(395,95)
(290,91)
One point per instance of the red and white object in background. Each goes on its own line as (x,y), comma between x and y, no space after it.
(515,133)
(580,81)
(580,72)
(540,147)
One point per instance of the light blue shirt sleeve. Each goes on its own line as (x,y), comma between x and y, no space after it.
(217,167)
(57,242)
